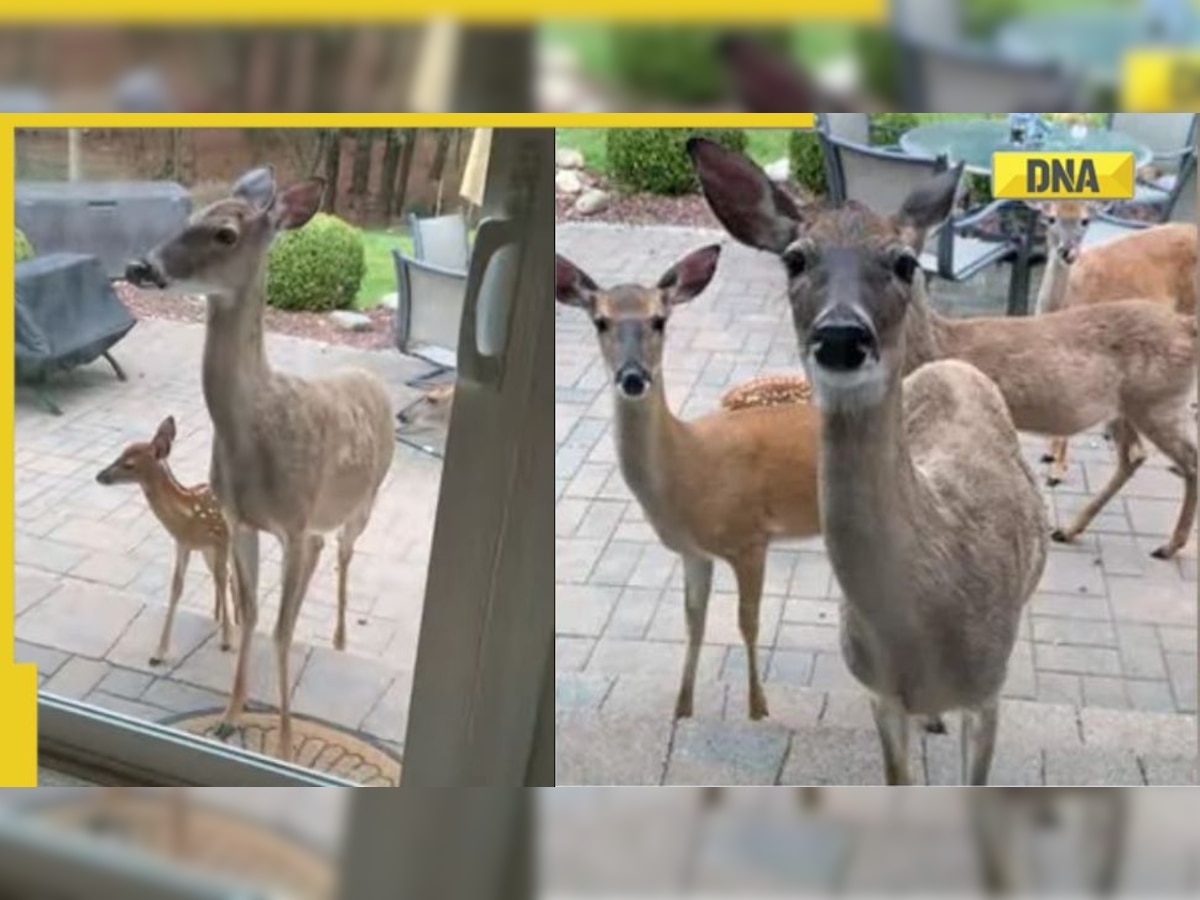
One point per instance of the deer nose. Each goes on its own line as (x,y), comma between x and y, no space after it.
(143,273)
(102,477)
(633,381)
(842,346)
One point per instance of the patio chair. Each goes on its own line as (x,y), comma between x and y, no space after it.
(882,180)
(1180,205)
(431,288)
(1171,137)
(441,241)
(934,20)
(946,77)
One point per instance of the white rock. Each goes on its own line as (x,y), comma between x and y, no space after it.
(591,202)
(390,301)
(568,182)
(778,170)
(566,158)
(350,321)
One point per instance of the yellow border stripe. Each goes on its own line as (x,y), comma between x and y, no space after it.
(313,11)
(18,683)
(409,120)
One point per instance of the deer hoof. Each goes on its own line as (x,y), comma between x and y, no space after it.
(1048,457)
(1059,536)
(156,661)
(1163,553)
(224,731)
(758,709)
(683,708)
(1053,481)
(935,725)
(226,646)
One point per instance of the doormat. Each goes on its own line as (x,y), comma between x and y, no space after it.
(321,746)
(211,840)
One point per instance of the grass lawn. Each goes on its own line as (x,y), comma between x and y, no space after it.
(381,272)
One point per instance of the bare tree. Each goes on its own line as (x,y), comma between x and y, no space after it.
(360,172)
(392,144)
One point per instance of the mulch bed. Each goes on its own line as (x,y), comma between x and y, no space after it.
(314,326)
(643,209)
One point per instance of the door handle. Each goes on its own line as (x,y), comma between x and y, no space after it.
(491,281)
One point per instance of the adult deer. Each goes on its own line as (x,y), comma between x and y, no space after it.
(719,487)
(296,458)
(1156,263)
(933,520)
(1130,363)
(191,515)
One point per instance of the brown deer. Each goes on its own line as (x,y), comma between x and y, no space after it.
(1156,263)
(191,515)
(432,409)
(933,521)
(1130,363)
(296,458)
(719,487)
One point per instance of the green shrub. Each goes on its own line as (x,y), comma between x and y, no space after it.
(316,268)
(887,128)
(24,248)
(807,161)
(878,54)
(678,65)
(655,159)
(981,18)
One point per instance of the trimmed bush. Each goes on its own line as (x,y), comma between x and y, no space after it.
(316,268)
(807,162)
(655,159)
(24,248)
(677,65)
(887,128)
(879,56)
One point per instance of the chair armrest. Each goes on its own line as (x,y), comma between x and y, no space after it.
(1105,216)
(966,220)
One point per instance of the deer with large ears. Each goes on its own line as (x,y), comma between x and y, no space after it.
(294,457)
(721,487)
(933,520)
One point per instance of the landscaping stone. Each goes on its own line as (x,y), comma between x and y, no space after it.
(350,321)
(390,301)
(568,181)
(591,202)
(779,171)
(568,158)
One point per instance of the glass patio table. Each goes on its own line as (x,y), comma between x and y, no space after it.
(1092,42)
(973,141)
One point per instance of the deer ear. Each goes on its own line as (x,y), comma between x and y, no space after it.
(256,187)
(690,276)
(295,205)
(762,80)
(927,205)
(750,206)
(164,438)
(572,286)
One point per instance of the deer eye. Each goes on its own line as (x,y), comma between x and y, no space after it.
(601,324)
(905,266)
(226,236)
(658,323)
(1050,220)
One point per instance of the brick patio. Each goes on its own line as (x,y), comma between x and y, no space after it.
(93,565)
(1102,684)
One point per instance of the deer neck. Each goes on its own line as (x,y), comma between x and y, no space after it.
(235,359)
(168,499)
(926,332)
(1052,293)
(646,432)
(870,509)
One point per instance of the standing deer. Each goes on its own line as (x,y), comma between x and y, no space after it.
(1156,263)
(933,520)
(1131,363)
(191,516)
(719,487)
(296,458)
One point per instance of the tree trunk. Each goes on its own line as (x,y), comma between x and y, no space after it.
(440,153)
(280,93)
(360,173)
(329,70)
(406,161)
(387,179)
(333,159)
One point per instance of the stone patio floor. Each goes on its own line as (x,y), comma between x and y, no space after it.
(93,565)
(1102,684)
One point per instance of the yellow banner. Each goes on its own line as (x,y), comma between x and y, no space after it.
(1160,81)
(1060,176)
(409,120)
(307,11)
(18,683)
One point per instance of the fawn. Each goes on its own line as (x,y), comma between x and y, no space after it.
(933,521)
(191,515)
(719,487)
(1156,263)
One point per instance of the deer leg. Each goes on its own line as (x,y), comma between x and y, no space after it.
(891,721)
(992,826)
(697,586)
(1058,462)
(300,555)
(218,567)
(346,538)
(1128,463)
(1108,838)
(245,572)
(749,571)
(1175,442)
(182,554)
(979,742)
